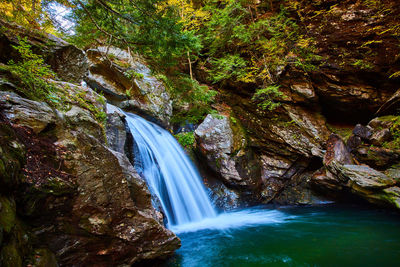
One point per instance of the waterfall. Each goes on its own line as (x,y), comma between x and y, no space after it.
(169,173)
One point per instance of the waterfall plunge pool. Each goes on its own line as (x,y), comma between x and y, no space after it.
(330,235)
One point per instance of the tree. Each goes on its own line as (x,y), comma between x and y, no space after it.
(151,27)
(191,19)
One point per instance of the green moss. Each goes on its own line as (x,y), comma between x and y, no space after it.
(218,163)
(32,75)
(10,256)
(239,134)
(186,140)
(7,214)
(343,131)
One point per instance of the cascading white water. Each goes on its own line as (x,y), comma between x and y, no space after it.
(169,173)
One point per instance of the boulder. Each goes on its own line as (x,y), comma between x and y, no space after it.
(363,176)
(226,152)
(127,82)
(337,151)
(340,176)
(363,132)
(25,112)
(377,157)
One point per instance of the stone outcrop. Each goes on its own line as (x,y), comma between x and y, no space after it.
(357,52)
(224,146)
(85,201)
(67,61)
(128,83)
(340,174)
(227,153)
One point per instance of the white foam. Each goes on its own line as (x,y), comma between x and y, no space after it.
(238,219)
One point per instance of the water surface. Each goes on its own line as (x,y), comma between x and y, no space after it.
(293,236)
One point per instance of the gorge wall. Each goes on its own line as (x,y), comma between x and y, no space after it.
(69,193)
(279,156)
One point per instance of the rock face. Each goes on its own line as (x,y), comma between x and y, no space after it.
(223,144)
(116,130)
(85,201)
(128,83)
(227,154)
(350,86)
(67,61)
(341,175)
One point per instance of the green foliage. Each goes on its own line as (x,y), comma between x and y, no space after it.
(150,27)
(32,74)
(131,74)
(227,67)
(395,130)
(268,97)
(362,64)
(185,139)
(192,100)
(249,48)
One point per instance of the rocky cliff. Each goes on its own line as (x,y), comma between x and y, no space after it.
(279,156)
(69,194)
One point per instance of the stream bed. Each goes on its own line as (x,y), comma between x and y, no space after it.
(329,235)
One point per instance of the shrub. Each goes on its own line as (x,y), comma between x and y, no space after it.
(268,96)
(32,74)
(185,139)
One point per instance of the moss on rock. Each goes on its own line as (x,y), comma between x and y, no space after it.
(7,213)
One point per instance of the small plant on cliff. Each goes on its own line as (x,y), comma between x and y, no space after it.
(131,74)
(185,139)
(192,100)
(32,74)
(395,129)
(268,96)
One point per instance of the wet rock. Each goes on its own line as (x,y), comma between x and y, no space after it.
(394,173)
(339,175)
(299,192)
(380,123)
(12,158)
(79,117)
(377,157)
(226,153)
(363,176)
(337,151)
(116,130)
(392,194)
(222,197)
(25,112)
(327,182)
(363,132)
(127,82)
(304,89)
